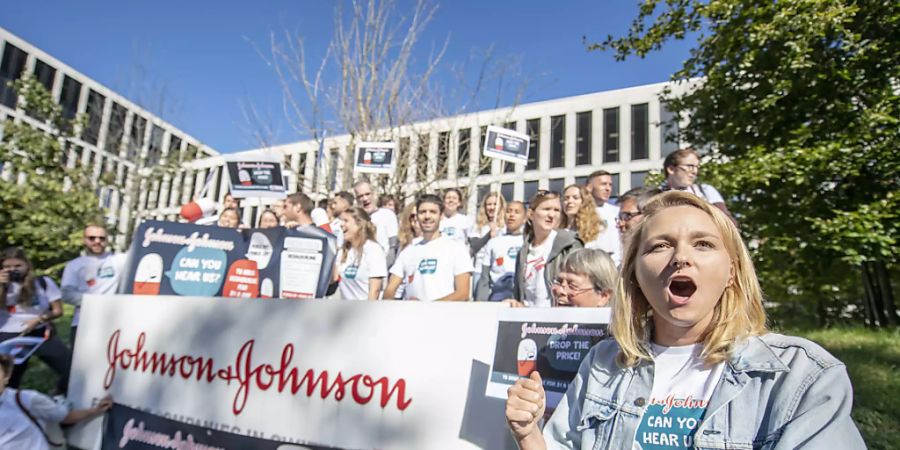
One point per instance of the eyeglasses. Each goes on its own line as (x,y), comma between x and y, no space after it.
(625,216)
(96,238)
(571,290)
(690,167)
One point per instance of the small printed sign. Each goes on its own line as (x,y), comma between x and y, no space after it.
(255,177)
(551,341)
(506,145)
(375,157)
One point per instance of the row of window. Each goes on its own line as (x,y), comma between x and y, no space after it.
(12,66)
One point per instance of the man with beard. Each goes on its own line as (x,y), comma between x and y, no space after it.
(96,271)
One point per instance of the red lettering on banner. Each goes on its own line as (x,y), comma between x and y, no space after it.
(362,387)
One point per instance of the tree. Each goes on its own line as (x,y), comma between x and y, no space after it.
(797,103)
(370,86)
(46,201)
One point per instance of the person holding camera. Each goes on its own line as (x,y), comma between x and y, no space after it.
(32,303)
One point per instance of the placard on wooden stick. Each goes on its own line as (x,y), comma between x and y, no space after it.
(507,145)
(375,157)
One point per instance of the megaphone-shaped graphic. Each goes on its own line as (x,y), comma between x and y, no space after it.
(527,357)
(198,209)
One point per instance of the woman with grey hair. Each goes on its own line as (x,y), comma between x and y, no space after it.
(586,279)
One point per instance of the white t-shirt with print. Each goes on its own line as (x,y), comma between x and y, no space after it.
(337,231)
(430,268)
(357,269)
(16,429)
(386,226)
(90,274)
(501,253)
(40,304)
(682,386)
(608,240)
(457,227)
(536,294)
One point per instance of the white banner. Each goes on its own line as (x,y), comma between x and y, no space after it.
(354,375)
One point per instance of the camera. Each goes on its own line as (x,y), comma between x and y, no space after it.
(16,277)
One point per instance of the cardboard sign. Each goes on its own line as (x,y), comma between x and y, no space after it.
(375,157)
(552,341)
(255,177)
(169,258)
(507,145)
(347,375)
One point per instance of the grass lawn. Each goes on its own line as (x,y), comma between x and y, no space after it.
(872,358)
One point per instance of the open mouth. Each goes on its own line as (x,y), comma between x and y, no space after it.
(681,289)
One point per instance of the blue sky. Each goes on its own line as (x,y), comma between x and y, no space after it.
(195,61)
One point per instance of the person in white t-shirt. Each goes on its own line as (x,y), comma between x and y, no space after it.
(582,218)
(454,224)
(600,186)
(25,414)
(31,305)
(435,268)
(96,271)
(681,168)
(498,269)
(488,225)
(361,264)
(544,247)
(690,355)
(385,220)
(341,202)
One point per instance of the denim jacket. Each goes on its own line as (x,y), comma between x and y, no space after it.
(776,392)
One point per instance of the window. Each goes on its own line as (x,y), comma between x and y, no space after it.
(11,68)
(154,152)
(611,135)
(44,73)
(485,163)
(557,185)
(615,185)
(301,172)
(533,128)
(668,130)
(68,98)
(422,157)
(637,178)
(116,128)
(175,148)
(217,185)
(508,167)
(443,156)
(557,141)
(331,181)
(531,188)
(583,139)
(640,148)
(462,156)
(95,117)
(507,190)
(483,190)
(136,137)
(581,181)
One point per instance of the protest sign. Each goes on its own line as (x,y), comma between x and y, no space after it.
(258,176)
(552,341)
(168,258)
(346,375)
(375,157)
(20,348)
(507,145)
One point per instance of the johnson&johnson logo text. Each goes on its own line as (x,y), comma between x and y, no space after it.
(250,375)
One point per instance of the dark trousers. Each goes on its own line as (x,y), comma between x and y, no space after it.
(53,352)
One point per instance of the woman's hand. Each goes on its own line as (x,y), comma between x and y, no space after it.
(31,325)
(104,405)
(525,407)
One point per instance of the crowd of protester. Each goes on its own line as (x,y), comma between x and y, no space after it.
(640,254)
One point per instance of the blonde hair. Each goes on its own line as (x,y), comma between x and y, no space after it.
(406,234)
(499,213)
(738,313)
(587,223)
